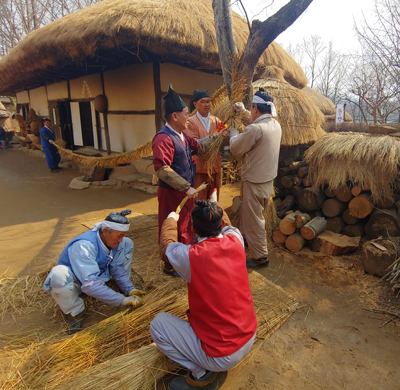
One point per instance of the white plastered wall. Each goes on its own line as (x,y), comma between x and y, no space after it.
(130,88)
(130,131)
(22,97)
(57,91)
(87,87)
(185,80)
(38,101)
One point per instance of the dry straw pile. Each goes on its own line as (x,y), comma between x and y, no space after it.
(47,365)
(115,353)
(361,159)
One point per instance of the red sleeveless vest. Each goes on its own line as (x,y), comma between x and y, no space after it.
(221,306)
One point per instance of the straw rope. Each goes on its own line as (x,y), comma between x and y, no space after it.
(339,158)
(112,160)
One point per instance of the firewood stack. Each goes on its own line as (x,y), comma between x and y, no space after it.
(332,221)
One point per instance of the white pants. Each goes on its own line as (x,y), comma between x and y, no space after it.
(176,338)
(65,288)
(252,223)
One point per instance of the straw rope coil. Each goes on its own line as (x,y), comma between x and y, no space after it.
(111,161)
(339,158)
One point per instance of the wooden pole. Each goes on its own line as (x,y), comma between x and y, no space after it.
(105,119)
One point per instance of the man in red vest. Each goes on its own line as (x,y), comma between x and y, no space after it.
(222,322)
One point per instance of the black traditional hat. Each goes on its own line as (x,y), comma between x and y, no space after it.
(200,94)
(119,217)
(264,95)
(46,120)
(173,102)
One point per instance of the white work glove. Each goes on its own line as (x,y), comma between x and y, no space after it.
(239,107)
(233,132)
(191,192)
(133,301)
(213,197)
(137,292)
(173,215)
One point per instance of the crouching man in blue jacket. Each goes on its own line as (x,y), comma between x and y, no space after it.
(87,263)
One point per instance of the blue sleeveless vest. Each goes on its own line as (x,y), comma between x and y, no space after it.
(182,163)
(102,258)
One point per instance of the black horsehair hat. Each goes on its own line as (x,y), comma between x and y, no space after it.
(173,102)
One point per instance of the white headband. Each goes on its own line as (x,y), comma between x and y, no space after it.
(258,100)
(121,227)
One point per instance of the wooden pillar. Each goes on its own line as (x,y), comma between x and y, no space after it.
(157,93)
(105,119)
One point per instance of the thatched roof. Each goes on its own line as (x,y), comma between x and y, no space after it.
(325,104)
(114,33)
(339,158)
(298,115)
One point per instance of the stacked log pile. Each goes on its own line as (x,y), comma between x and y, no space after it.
(331,221)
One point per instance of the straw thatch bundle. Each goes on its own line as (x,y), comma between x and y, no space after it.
(298,115)
(361,159)
(132,31)
(108,161)
(48,365)
(138,370)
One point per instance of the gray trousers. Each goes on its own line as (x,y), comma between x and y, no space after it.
(176,339)
(252,221)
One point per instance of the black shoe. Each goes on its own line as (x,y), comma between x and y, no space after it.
(262,262)
(210,381)
(171,272)
(75,325)
(55,170)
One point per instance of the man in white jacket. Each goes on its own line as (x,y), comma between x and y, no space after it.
(258,146)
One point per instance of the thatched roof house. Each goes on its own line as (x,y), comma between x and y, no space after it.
(325,105)
(129,51)
(114,33)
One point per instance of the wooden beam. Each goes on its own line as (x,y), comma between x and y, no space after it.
(147,112)
(158,95)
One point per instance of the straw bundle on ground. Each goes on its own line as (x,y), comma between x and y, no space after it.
(298,115)
(108,161)
(51,364)
(361,159)
(139,370)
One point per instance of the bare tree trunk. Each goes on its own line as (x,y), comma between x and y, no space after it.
(261,35)
(225,38)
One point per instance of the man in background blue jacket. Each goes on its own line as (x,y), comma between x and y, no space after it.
(53,158)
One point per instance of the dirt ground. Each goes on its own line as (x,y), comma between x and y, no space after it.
(333,341)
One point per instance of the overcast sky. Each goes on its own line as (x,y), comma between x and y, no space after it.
(331,19)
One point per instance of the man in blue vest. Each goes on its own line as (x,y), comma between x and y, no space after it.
(87,263)
(175,168)
(53,158)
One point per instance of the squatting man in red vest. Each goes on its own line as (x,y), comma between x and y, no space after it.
(222,322)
